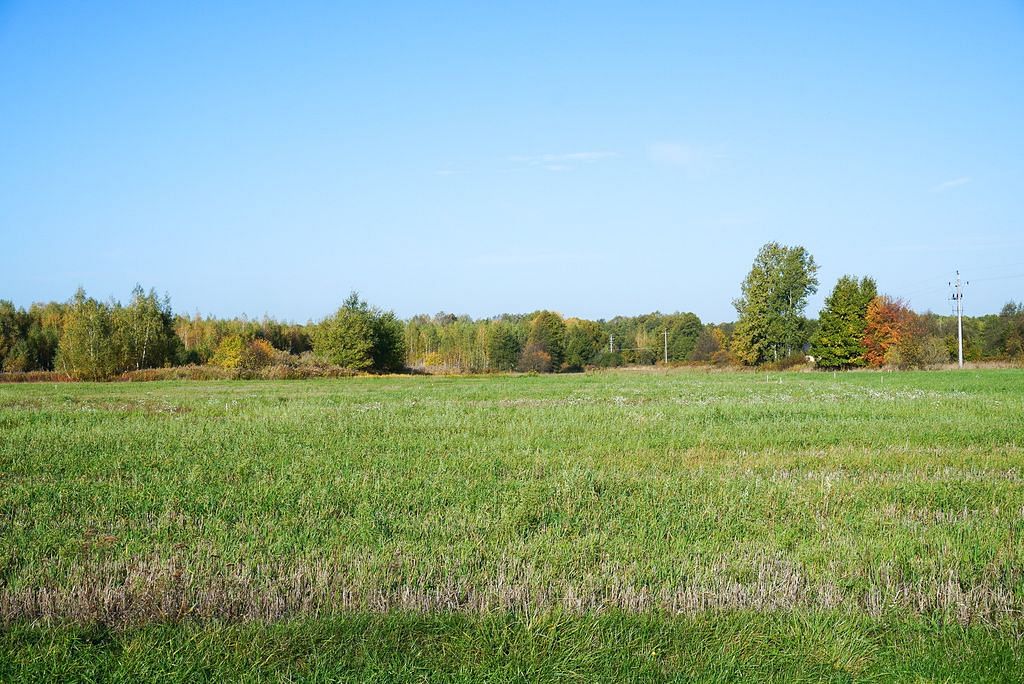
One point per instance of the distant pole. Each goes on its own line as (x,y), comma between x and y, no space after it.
(958,297)
(611,344)
(666,347)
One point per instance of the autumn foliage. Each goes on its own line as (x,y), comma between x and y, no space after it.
(888,320)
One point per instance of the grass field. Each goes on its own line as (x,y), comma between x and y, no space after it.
(611,526)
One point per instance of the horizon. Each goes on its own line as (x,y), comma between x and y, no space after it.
(591,160)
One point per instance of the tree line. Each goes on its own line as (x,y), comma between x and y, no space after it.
(84,338)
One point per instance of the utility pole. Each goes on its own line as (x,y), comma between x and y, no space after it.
(958,297)
(666,347)
(611,344)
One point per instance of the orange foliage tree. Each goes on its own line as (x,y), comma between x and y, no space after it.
(887,322)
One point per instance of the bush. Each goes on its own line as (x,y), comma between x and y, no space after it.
(913,351)
(190,372)
(18,359)
(35,376)
(607,359)
(535,360)
(257,354)
(791,361)
(280,371)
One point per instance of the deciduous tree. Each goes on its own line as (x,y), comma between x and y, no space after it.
(85,351)
(229,352)
(885,321)
(547,335)
(582,343)
(144,331)
(361,338)
(774,295)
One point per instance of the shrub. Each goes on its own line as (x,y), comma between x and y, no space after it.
(607,359)
(18,359)
(791,361)
(189,372)
(257,354)
(535,360)
(35,376)
(913,351)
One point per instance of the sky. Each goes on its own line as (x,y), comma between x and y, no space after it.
(592,158)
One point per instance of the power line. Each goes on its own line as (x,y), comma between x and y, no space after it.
(1006,277)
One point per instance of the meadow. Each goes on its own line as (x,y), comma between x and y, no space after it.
(611,526)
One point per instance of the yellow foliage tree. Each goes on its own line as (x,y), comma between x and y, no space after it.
(229,352)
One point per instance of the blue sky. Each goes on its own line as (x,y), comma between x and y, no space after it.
(592,158)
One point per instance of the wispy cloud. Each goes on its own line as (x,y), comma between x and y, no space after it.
(672,153)
(561,162)
(950,184)
(694,160)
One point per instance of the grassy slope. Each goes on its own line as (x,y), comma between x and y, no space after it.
(872,510)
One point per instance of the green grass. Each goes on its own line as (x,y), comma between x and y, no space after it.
(850,526)
(611,647)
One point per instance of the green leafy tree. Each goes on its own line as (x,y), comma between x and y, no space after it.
(346,338)
(504,345)
(388,350)
(771,324)
(22,346)
(683,331)
(11,329)
(710,342)
(144,331)
(547,337)
(44,332)
(839,340)
(361,338)
(582,343)
(1006,337)
(85,351)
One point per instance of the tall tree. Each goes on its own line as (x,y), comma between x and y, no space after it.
(85,351)
(12,324)
(582,343)
(388,351)
(143,331)
(683,331)
(504,345)
(774,295)
(346,338)
(547,336)
(886,321)
(839,340)
(710,342)
(361,338)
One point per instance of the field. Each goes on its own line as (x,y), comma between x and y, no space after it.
(612,526)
